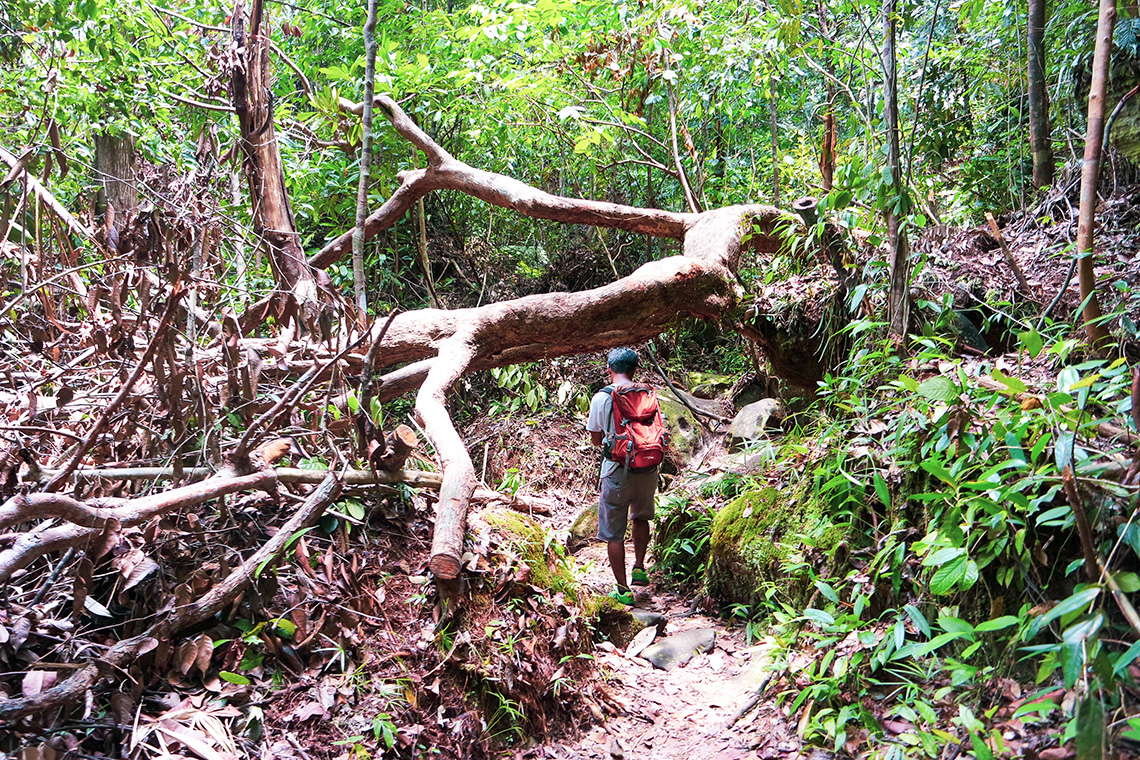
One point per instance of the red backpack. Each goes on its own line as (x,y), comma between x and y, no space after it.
(640,435)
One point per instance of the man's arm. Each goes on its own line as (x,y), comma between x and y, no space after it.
(597,437)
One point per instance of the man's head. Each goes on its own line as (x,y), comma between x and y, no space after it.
(622,361)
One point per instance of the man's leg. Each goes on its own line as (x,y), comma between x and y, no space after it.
(640,543)
(612,516)
(616,552)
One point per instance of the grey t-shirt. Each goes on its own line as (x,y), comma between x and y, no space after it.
(601,420)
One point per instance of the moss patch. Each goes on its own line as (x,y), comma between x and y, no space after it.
(755,535)
(550,568)
(585,527)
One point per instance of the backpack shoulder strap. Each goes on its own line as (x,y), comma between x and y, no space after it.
(608,390)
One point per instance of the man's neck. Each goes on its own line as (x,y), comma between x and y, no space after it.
(620,379)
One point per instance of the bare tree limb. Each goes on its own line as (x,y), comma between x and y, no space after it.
(127,650)
(446,172)
(47,538)
(36,506)
(112,407)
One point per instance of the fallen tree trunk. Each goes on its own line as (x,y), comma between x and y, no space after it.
(444,345)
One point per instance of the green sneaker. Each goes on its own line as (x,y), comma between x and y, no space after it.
(640,577)
(625,596)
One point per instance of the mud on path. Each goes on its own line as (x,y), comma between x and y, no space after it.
(684,712)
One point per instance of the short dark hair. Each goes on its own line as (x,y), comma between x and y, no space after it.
(622,360)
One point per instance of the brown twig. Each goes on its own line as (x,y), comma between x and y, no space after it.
(1088,548)
(1006,253)
(105,418)
(125,651)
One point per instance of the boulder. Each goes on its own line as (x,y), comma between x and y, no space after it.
(584,529)
(680,648)
(649,618)
(685,433)
(753,420)
(755,535)
(707,385)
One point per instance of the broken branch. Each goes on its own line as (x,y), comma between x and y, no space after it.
(125,651)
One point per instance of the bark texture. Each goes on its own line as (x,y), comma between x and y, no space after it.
(1040,129)
(898,300)
(115,166)
(251,90)
(360,282)
(1090,173)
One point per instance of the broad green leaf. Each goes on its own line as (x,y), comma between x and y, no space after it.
(939,389)
(1128,582)
(1090,728)
(1063,451)
(938,470)
(881,490)
(969,721)
(942,556)
(947,577)
(996,624)
(819,617)
(1077,601)
(1031,341)
(237,678)
(286,629)
(918,619)
(1126,659)
(827,591)
(1012,383)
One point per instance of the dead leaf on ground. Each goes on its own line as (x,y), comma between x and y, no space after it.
(37,681)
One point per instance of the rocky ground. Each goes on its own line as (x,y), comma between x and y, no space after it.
(693,710)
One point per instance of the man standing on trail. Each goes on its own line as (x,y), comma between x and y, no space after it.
(627,491)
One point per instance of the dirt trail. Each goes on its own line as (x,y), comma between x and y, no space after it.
(681,713)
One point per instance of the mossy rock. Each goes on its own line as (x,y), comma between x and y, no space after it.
(754,536)
(707,385)
(584,528)
(550,570)
(613,621)
(685,433)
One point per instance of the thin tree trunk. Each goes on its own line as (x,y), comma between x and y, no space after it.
(830,142)
(422,252)
(115,166)
(358,276)
(898,249)
(250,87)
(1090,174)
(1040,128)
(827,150)
(772,114)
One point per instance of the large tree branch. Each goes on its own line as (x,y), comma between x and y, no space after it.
(458,471)
(91,522)
(445,172)
(37,506)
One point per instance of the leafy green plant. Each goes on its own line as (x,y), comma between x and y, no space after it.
(684,530)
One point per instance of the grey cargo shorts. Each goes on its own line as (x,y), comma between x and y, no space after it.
(624,495)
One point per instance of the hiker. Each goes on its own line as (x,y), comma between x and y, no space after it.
(633,442)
